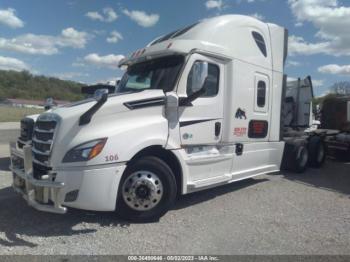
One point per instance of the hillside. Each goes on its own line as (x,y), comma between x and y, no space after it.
(27,86)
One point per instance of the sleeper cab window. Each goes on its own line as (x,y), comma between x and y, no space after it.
(203,75)
(261,94)
(260,42)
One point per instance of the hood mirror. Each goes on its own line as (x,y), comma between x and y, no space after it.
(49,103)
(101,96)
(100,93)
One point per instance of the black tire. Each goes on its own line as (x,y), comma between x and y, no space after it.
(292,153)
(301,156)
(317,152)
(288,157)
(168,181)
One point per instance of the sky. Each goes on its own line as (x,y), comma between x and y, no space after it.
(84,40)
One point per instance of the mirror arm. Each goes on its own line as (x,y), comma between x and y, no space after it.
(187,101)
(86,117)
(184,101)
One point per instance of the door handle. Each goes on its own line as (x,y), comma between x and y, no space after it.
(239,149)
(217,128)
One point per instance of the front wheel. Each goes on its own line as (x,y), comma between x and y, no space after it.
(147,190)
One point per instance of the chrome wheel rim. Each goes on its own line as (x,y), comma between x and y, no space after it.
(142,190)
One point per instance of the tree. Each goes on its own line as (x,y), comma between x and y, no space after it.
(341,88)
(24,85)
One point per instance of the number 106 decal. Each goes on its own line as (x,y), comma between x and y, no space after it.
(111,158)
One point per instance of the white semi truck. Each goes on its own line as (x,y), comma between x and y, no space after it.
(196,108)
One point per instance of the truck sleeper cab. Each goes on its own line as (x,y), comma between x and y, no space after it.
(197,108)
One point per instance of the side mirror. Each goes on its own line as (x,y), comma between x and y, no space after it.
(187,101)
(171,106)
(197,82)
(101,94)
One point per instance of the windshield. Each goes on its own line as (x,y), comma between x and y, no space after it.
(160,73)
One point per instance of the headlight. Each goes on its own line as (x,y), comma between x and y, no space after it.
(86,151)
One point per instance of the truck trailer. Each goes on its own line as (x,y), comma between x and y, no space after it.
(335,117)
(199,107)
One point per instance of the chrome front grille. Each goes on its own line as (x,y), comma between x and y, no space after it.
(44,131)
(27,126)
(43,137)
(47,126)
(41,146)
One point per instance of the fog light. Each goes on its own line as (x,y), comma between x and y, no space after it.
(71,196)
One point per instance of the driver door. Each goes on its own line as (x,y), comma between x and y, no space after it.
(201,120)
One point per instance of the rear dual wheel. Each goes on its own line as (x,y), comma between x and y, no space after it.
(317,151)
(299,154)
(301,157)
(147,190)
(295,156)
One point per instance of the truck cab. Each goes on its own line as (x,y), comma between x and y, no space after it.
(196,108)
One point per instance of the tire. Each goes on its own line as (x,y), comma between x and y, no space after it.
(301,157)
(293,153)
(288,157)
(147,190)
(317,152)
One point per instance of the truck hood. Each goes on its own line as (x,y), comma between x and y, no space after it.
(121,114)
(116,103)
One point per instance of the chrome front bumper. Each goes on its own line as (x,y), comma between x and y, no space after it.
(41,194)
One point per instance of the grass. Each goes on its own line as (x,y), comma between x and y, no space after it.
(14,114)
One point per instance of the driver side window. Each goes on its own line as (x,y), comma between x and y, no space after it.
(201,71)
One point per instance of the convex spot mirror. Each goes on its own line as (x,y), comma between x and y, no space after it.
(100,93)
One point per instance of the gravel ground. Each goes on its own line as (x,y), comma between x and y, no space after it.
(9,135)
(9,125)
(274,214)
(9,131)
